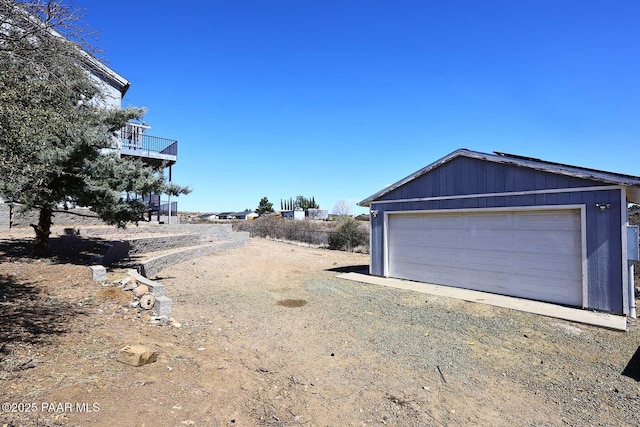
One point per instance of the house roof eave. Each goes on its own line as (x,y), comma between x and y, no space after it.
(632,183)
(367,202)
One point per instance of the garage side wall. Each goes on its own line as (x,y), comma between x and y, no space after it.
(448,182)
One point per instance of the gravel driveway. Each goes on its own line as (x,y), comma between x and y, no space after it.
(269,336)
(364,354)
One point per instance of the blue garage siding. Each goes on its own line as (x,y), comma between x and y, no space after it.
(465,176)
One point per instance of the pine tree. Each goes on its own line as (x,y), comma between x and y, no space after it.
(264,206)
(56,141)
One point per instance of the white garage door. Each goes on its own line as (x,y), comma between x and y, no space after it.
(533,254)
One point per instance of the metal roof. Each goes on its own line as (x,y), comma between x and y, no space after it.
(631,182)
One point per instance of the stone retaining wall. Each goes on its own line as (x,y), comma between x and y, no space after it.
(154,265)
(200,241)
(82,217)
(204,230)
(152,244)
(23,219)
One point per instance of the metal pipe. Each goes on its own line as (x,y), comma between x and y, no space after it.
(169,220)
(632,293)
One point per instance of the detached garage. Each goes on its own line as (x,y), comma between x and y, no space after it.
(510,225)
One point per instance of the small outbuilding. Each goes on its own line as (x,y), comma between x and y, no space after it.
(296,214)
(510,225)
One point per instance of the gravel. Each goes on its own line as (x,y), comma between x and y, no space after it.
(573,370)
(269,336)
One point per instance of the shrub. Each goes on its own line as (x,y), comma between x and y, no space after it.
(348,236)
(275,227)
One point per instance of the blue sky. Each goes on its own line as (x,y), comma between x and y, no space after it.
(338,98)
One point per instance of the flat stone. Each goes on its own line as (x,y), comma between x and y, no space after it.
(137,355)
(98,273)
(128,284)
(140,290)
(162,306)
(157,289)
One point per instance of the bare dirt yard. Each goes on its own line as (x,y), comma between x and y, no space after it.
(268,336)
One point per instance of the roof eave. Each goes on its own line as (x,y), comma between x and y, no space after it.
(98,66)
(367,202)
(631,183)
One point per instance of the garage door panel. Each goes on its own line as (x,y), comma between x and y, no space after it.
(552,221)
(429,256)
(547,241)
(430,274)
(541,264)
(529,254)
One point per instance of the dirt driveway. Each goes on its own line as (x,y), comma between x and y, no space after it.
(270,337)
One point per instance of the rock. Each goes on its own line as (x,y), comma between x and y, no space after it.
(137,355)
(134,304)
(147,301)
(164,320)
(128,284)
(176,324)
(98,273)
(163,306)
(140,290)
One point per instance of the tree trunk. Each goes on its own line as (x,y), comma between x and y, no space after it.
(43,230)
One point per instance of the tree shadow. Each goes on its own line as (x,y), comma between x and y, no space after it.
(28,315)
(363,268)
(62,250)
(632,370)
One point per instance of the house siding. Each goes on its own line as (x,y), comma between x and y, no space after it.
(467,176)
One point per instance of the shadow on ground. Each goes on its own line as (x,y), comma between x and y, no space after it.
(62,250)
(364,268)
(632,370)
(29,316)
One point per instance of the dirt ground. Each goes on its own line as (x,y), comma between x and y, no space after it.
(267,335)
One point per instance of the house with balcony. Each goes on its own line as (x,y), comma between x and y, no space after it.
(135,141)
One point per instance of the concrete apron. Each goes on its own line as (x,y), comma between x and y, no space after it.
(605,320)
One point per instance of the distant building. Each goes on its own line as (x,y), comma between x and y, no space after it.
(208,216)
(297,214)
(244,215)
(318,214)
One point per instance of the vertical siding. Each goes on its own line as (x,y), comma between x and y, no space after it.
(603,229)
(604,251)
(464,175)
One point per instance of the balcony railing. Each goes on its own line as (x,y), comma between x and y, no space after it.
(141,143)
(155,205)
(164,209)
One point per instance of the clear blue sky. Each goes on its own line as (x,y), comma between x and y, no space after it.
(338,98)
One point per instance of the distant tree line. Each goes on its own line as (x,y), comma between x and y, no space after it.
(300,202)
